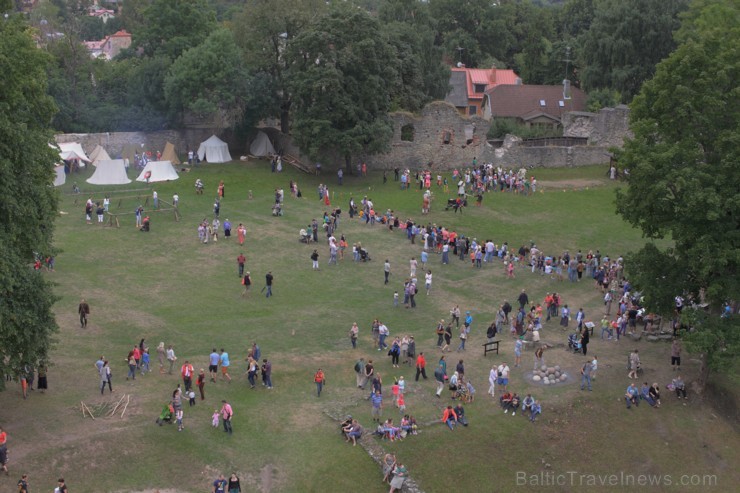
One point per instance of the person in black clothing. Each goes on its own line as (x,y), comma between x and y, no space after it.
(395,173)
(585,338)
(507,309)
(234,486)
(523,299)
(268,284)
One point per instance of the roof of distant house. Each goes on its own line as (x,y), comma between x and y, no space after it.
(99,12)
(463,82)
(530,101)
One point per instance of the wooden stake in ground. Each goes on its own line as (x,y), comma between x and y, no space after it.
(126,406)
(88,410)
(116,406)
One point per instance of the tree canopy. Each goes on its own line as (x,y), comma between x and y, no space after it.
(28,201)
(342,74)
(684,173)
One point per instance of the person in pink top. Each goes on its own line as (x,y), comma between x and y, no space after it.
(226,414)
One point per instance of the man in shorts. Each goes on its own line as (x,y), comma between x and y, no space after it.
(503,376)
(225,365)
(213,360)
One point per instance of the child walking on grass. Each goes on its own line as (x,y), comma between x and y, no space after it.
(214,419)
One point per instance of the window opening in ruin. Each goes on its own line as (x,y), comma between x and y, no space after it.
(446,137)
(472,110)
(407,133)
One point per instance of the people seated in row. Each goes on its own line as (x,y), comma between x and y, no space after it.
(408,424)
(679,386)
(460,412)
(651,394)
(632,396)
(449,417)
(352,431)
(510,402)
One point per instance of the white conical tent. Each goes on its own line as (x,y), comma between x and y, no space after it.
(110,172)
(214,150)
(159,171)
(261,146)
(71,151)
(99,154)
(61,177)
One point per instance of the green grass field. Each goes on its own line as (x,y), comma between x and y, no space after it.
(167,286)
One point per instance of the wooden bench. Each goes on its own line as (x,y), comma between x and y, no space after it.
(490,347)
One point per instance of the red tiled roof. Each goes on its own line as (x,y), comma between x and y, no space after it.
(525,101)
(121,34)
(491,77)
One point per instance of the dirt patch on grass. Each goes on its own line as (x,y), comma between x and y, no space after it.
(570,184)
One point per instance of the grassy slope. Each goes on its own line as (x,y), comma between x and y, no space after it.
(166,286)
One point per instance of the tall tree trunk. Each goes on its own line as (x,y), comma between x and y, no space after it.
(285,116)
(701,383)
(348,163)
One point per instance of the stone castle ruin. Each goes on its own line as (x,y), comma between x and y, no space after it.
(438,137)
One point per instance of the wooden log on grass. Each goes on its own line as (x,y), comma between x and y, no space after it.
(116,406)
(126,406)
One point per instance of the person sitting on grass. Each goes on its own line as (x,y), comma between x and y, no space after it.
(527,403)
(536,409)
(505,400)
(460,412)
(390,431)
(645,394)
(655,393)
(679,386)
(353,432)
(632,396)
(449,417)
(513,404)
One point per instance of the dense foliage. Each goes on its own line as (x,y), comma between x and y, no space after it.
(28,201)
(684,176)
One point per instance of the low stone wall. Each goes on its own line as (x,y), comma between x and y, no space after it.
(545,157)
(609,127)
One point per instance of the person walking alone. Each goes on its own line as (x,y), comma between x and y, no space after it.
(268,284)
(84,310)
(421,364)
(320,379)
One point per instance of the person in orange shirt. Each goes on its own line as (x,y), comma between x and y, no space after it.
(320,379)
(449,417)
(187,375)
(421,364)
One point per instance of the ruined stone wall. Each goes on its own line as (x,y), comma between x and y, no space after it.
(441,136)
(609,127)
(440,120)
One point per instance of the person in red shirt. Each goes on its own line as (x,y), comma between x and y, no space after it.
(187,375)
(240,260)
(136,353)
(421,364)
(4,450)
(320,379)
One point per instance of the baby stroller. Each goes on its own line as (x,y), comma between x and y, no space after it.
(364,255)
(166,415)
(277,209)
(574,343)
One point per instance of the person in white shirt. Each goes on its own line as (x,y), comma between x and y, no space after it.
(428,281)
(492,377)
(503,376)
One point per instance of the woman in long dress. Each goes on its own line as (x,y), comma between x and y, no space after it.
(241,232)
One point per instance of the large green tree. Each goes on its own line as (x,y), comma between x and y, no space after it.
(265,30)
(170,27)
(341,78)
(28,202)
(209,80)
(684,178)
(625,42)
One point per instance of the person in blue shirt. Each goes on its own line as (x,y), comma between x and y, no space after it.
(213,360)
(468,321)
(225,365)
(632,396)
(219,485)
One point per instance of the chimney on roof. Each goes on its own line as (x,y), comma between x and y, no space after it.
(518,81)
(493,76)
